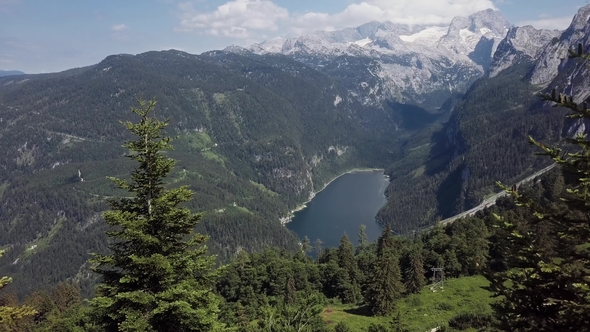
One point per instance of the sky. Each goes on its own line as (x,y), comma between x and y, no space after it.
(38,36)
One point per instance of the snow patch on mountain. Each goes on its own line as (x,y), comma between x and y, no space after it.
(429,36)
(362,42)
(408,62)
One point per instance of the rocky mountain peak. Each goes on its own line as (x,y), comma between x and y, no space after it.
(489,19)
(465,33)
(580,20)
(407,62)
(520,43)
(550,59)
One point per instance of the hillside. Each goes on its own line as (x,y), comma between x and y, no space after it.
(258,132)
(254,138)
(450,169)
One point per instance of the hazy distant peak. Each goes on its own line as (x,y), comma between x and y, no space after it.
(236,49)
(10,72)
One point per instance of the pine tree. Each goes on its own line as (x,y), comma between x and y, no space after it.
(11,314)
(414,274)
(306,245)
(290,292)
(319,251)
(350,291)
(386,285)
(363,240)
(157,276)
(547,288)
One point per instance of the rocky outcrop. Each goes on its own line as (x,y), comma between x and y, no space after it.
(409,64)
(553,54)
(521,43)
(484,29)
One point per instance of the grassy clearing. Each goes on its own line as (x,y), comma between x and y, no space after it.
(199,140)
(424,311)
(210,155)
(203,143)
(262,188)
(419,171)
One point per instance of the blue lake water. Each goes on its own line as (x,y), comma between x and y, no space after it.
(346,203)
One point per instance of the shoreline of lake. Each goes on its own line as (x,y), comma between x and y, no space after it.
(285,220)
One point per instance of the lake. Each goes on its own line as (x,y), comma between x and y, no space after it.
(346,203)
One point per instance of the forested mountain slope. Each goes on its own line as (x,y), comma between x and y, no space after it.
(449,170)
(258,133)
(255,136)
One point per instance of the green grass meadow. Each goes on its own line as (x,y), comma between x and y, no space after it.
(424,311)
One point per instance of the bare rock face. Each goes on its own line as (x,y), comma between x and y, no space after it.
(403,63)
(521,43)
(553,54)
(465,33)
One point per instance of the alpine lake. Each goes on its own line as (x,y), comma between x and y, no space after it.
(341,207)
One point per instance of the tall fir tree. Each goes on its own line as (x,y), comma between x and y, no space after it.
(547,288)
(319,250)
(414,275)
(157,276)
(386,285)
(351,291)
(363,240)
(306,245)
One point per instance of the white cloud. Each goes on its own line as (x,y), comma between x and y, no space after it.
(560,23)
(251,18)
(238,18)
(119,27)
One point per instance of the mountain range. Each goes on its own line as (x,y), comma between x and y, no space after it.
(408,64)
(486,137)
(446,110)
(10,72)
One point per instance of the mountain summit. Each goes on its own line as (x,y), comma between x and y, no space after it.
(461,37)
(407,63)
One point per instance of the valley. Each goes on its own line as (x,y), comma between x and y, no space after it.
(279,151)
(260,130)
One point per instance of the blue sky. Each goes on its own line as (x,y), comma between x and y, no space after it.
(46,36)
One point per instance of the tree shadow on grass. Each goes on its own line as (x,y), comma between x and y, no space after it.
(359,311)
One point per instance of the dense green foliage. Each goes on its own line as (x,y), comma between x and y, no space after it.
(544,282)
(448,169)
(157,275)
(385,281)
(255,136)
(10,315)
(275,290)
